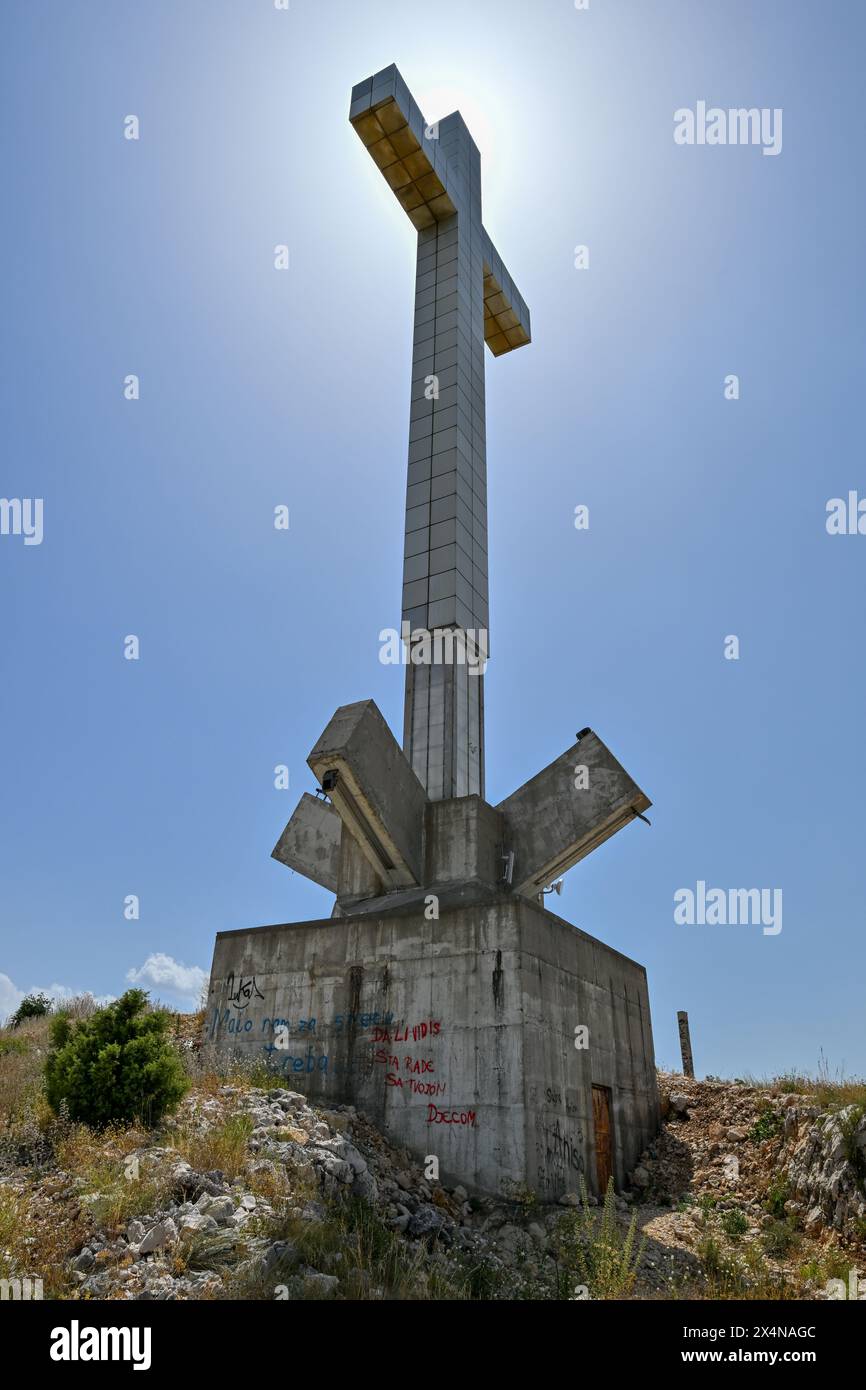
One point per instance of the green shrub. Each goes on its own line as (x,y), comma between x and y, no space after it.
(777,1195)
(31,1006)
(591,1250)
(767,1125)
(115,1066)
(524,1198)
(709,1253)
(734,1223)
(849,1122)
(779,1238)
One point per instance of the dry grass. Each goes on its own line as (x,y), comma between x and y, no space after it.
(830,1090)
(222,1147)
(739,1274)
(281,1184)
(831,1095)
(208,1080)
(107,1165)
(210,1073)
(22,1058)
(353,1243)
(38,1244)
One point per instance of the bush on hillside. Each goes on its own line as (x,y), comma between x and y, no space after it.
(31,1006)
(116,1066)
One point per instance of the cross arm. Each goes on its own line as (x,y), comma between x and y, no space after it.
(506,317)
(390,123)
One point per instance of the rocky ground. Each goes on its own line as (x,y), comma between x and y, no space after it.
(276,1225)
(762,1186)
(252,1193)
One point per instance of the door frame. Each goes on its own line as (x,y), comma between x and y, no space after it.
(598,1085)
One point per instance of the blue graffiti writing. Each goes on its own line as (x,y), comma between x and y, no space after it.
(229,1021)
(303,1025)
(375,1020)
(308,1063)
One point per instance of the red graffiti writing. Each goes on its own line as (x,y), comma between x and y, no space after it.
(418,1065)
(418,1088)
(408,1033)
(435,1116)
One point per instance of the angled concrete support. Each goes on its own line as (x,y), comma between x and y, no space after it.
(373,789)
(310,843)
(566,811)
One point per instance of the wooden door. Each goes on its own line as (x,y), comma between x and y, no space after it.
(603,1137)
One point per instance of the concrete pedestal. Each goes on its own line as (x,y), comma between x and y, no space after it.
(455,1035)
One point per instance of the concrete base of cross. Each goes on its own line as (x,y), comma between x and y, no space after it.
(489,1038)
(446,1002)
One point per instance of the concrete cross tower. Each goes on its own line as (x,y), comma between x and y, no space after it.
(534,1038)
(464,298)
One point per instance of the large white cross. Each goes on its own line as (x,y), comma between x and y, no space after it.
(377,842)
(464,298)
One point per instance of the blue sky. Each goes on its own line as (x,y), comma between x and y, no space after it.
(261,387)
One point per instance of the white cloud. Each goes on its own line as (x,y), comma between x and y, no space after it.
(11,995)
(159,972)
(164,972)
